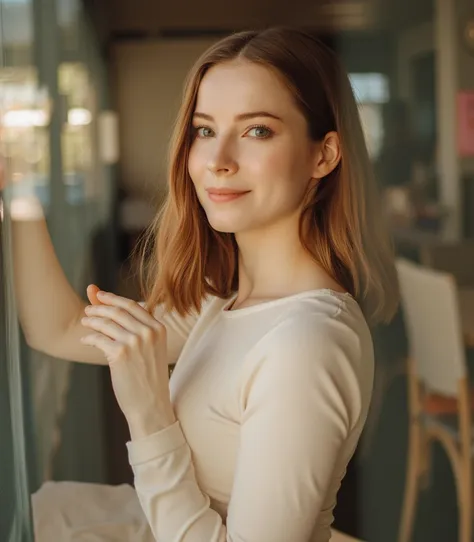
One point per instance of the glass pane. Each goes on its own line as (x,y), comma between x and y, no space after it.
(51,96)
(20,162)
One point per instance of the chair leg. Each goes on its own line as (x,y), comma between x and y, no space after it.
(412,485)
(426,460)
(464,491)
(463,469)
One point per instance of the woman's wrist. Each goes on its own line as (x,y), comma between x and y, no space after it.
(145,425)
(24,208)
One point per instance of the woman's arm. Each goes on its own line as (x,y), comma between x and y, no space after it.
(49,309)
(304,402)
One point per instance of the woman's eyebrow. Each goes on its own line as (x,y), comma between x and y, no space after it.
(242,116)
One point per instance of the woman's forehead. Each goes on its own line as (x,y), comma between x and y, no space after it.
(240,86)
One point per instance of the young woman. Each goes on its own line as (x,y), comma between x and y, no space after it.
(269,261)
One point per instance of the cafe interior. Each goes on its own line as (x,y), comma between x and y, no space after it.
(89,90)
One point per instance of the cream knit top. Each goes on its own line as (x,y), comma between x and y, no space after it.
(270,401)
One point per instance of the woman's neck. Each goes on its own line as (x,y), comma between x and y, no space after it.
(274,264)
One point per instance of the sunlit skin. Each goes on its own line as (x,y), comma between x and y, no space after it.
(250,138)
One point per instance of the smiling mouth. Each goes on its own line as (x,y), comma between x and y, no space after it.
(224,196)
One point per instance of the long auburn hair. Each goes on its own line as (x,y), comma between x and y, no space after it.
(183,259)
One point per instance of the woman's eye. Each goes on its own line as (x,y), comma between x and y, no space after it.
(204,131)
(260,132)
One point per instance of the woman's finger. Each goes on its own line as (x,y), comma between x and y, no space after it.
(107,327)
(136,310)
(92,290)
(108,346)
(118,315)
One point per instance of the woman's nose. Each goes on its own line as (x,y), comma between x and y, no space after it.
(222,162)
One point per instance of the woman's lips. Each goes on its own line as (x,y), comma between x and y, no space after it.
(223,196)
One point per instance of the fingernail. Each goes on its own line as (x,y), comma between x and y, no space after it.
(101,294)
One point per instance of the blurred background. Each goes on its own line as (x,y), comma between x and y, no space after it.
(88,94)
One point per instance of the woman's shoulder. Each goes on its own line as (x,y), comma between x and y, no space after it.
(323,313)
(320,339)
(324,332)
(322,320)
(311,315)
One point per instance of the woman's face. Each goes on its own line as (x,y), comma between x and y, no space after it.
(251,159)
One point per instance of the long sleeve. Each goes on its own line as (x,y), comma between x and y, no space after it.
(300,404)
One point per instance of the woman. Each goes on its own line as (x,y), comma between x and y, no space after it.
(271,261)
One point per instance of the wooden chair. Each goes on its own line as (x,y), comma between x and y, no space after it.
(439,396)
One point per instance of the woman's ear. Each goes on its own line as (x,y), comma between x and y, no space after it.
(328,155)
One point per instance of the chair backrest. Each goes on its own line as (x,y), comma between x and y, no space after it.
(433,323)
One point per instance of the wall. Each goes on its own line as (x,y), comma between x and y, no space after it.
(148,81)
(414,41)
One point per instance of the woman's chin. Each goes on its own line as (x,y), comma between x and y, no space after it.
(222,227)
(223,224)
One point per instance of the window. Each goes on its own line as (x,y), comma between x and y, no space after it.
(371,91)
